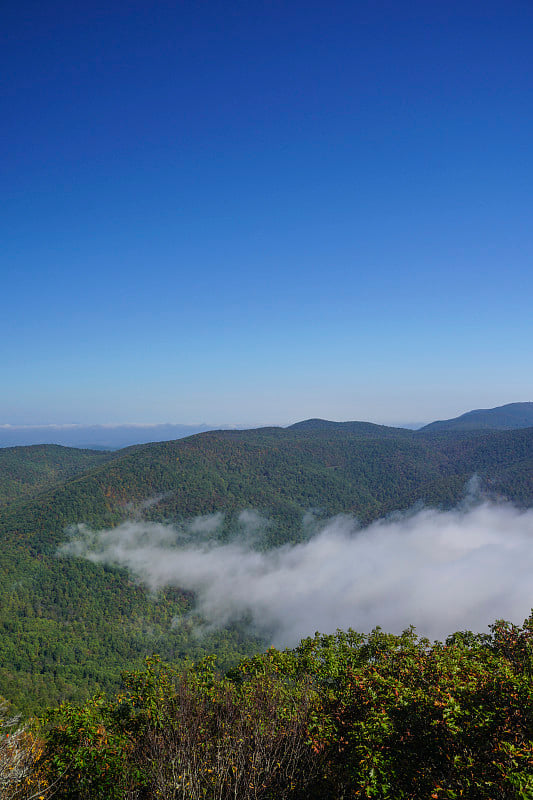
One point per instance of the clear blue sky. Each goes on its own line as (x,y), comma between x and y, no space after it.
(254,212)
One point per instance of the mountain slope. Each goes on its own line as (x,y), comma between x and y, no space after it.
(508,417)
(280,472)
(26,471)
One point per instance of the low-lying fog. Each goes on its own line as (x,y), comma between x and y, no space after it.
(439,570)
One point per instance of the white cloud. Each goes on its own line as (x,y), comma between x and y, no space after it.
(439,570)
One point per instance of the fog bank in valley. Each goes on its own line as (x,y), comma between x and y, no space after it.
(439,570)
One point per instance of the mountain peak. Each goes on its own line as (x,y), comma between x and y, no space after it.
(507,417)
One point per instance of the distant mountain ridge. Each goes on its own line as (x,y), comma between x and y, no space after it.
(370,428)
(101,437)
(119,436)
(509,417)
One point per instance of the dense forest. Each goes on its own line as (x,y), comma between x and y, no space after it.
(70,626)
(27,471)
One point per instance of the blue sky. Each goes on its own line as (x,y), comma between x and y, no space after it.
(258,212)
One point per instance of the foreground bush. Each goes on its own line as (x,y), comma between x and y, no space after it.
(203,737)
(184,735)
(343,716)
(416,720)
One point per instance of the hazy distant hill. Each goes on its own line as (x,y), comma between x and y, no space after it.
(360,428)
(508,417)
(101,437)
(114,437)
(68,627)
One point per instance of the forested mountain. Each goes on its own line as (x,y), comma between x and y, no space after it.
(280,472)
(70,626)
(26,471)
(508,417)
(361,428)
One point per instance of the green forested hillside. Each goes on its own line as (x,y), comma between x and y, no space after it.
(69,626)
(26,471)
(282,473)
